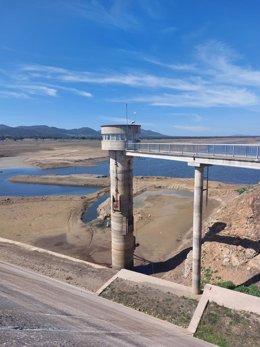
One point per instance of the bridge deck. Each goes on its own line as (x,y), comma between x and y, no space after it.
(236,155)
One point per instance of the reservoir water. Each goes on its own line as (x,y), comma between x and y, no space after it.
(142,167)
(91,212)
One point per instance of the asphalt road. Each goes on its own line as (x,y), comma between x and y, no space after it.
(38,311)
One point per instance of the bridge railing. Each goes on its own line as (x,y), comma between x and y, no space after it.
(250,152)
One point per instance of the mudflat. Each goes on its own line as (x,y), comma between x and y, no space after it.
(50,153)
(162,223)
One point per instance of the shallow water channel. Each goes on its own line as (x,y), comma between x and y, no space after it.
(142,167)
(91,212)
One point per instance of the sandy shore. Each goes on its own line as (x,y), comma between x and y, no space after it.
(13,162)
(50,153)
(78,180)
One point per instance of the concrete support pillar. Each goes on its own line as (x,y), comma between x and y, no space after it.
(197,226)
(115,139)
(122,220)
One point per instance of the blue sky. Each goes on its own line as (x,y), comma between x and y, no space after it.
(184,67)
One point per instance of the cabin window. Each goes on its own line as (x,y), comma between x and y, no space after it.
(113,137)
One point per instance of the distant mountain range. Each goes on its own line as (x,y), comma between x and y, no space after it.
(44,131)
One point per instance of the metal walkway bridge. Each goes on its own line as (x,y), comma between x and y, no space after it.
(122,141)
(199,156)
(236,155)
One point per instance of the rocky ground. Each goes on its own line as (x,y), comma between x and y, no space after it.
(230,250)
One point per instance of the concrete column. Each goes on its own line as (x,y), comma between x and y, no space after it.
(115,139)
(122,221)
(197,226)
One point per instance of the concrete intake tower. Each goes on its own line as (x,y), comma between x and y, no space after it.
(115,139)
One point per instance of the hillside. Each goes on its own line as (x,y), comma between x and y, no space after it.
(44,131)
(233,239)
(230,250)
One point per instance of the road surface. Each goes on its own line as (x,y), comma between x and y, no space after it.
(39,311)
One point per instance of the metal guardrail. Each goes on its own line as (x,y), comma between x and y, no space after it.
(228,151)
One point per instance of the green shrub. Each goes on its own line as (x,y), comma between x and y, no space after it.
(251,290)
(242,190)
(227,285)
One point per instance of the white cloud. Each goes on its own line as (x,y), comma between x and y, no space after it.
(193,128)
(208,97)
(42,68)
(127,79)
(11,94)
(37,90)
(194,116)
(214,79)
(27,90)
(74,91)
(83,93)
(219,61)
(175,67)
(110,13)
(212,52)
(22,90)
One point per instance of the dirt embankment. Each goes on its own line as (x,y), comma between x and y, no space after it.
(76,273)
(230,250)
(52,222)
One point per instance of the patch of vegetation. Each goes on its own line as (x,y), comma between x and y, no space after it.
(251,290)
(229,328)
(207,334)
(227,285)
(160,304)
(242,190)
(209,276)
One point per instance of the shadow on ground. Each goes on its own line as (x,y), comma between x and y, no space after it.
(150,268)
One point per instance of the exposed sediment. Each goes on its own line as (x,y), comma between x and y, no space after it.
(230,248)
(80,180)
(55,222)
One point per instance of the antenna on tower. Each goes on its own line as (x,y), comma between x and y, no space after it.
(126,114)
